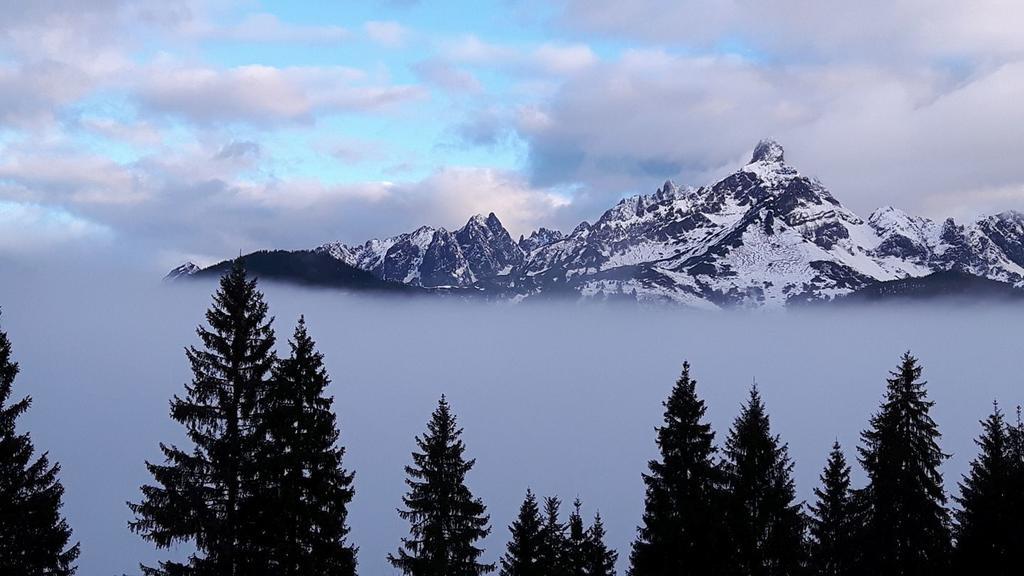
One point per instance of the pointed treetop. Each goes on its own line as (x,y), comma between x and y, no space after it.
(768,150)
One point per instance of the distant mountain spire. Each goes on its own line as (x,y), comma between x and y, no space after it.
(768,150)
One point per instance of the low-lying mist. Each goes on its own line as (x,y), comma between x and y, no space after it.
(561,398)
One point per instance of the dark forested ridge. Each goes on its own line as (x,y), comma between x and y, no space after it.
(948,285)
(307,268)
(261,488)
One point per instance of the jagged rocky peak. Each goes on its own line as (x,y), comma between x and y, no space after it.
(768,150)
(540,238)
(488,247)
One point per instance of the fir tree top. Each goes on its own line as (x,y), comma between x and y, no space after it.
(766,524)
(522,555)
(987,523)
(906,524)
(832,522)
(903,437)
(684,435)
(446,520)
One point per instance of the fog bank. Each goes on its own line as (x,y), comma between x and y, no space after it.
(560,398)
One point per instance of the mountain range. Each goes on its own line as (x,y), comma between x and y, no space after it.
(765,235)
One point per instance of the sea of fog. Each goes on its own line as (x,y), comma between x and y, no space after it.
(560,398)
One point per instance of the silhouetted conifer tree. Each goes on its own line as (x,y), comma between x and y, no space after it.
(586,552)
(766,525)
(906,525)
(600,560)
(683,525)
(205,495)
(34,537)
(985,522)
(522,558)
(833,520)
(577,542)
(555,548)
(445,519)
(304,490)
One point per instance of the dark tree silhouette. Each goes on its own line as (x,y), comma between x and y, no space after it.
(205,495)
(906,524)
(446,521)
(304,490)
(766,525)
(683,529)
(522,558)
(985,522)
(34,537)
(577,549)
(600,559)
(554,551)
(833,520)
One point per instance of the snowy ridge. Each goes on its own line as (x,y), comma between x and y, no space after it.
(763,236)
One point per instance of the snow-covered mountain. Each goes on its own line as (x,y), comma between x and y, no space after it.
(763,236)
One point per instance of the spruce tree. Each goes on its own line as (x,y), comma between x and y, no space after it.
(522,558)
(683,528)
(554,550)
(305,491)
(446,521)
(985,521)
(600,560)
(206,495)
(577,543)
(34,537)
(766,525)
(905,521)
(833,521)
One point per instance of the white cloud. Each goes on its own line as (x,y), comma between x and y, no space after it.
(882,31)
(266,94)
(549,58)
(875,136)
(264,27)
(446,76)
(386,33)
(33,229)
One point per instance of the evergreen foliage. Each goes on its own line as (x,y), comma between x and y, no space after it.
(833,520)
(554,551)
(34,537)
(446,521)
(683,528)
(304,491)
(985,522)
(600,560)
(577,543)
(766,525)
(522,558)
(906,524)
(208,495)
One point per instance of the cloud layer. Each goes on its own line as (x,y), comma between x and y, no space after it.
(200,129)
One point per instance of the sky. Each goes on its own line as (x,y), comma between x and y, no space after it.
(153,132)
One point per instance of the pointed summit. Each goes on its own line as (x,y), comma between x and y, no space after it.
(187,269)
(768,150)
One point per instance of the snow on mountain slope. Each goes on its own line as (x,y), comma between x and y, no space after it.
(765,235)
